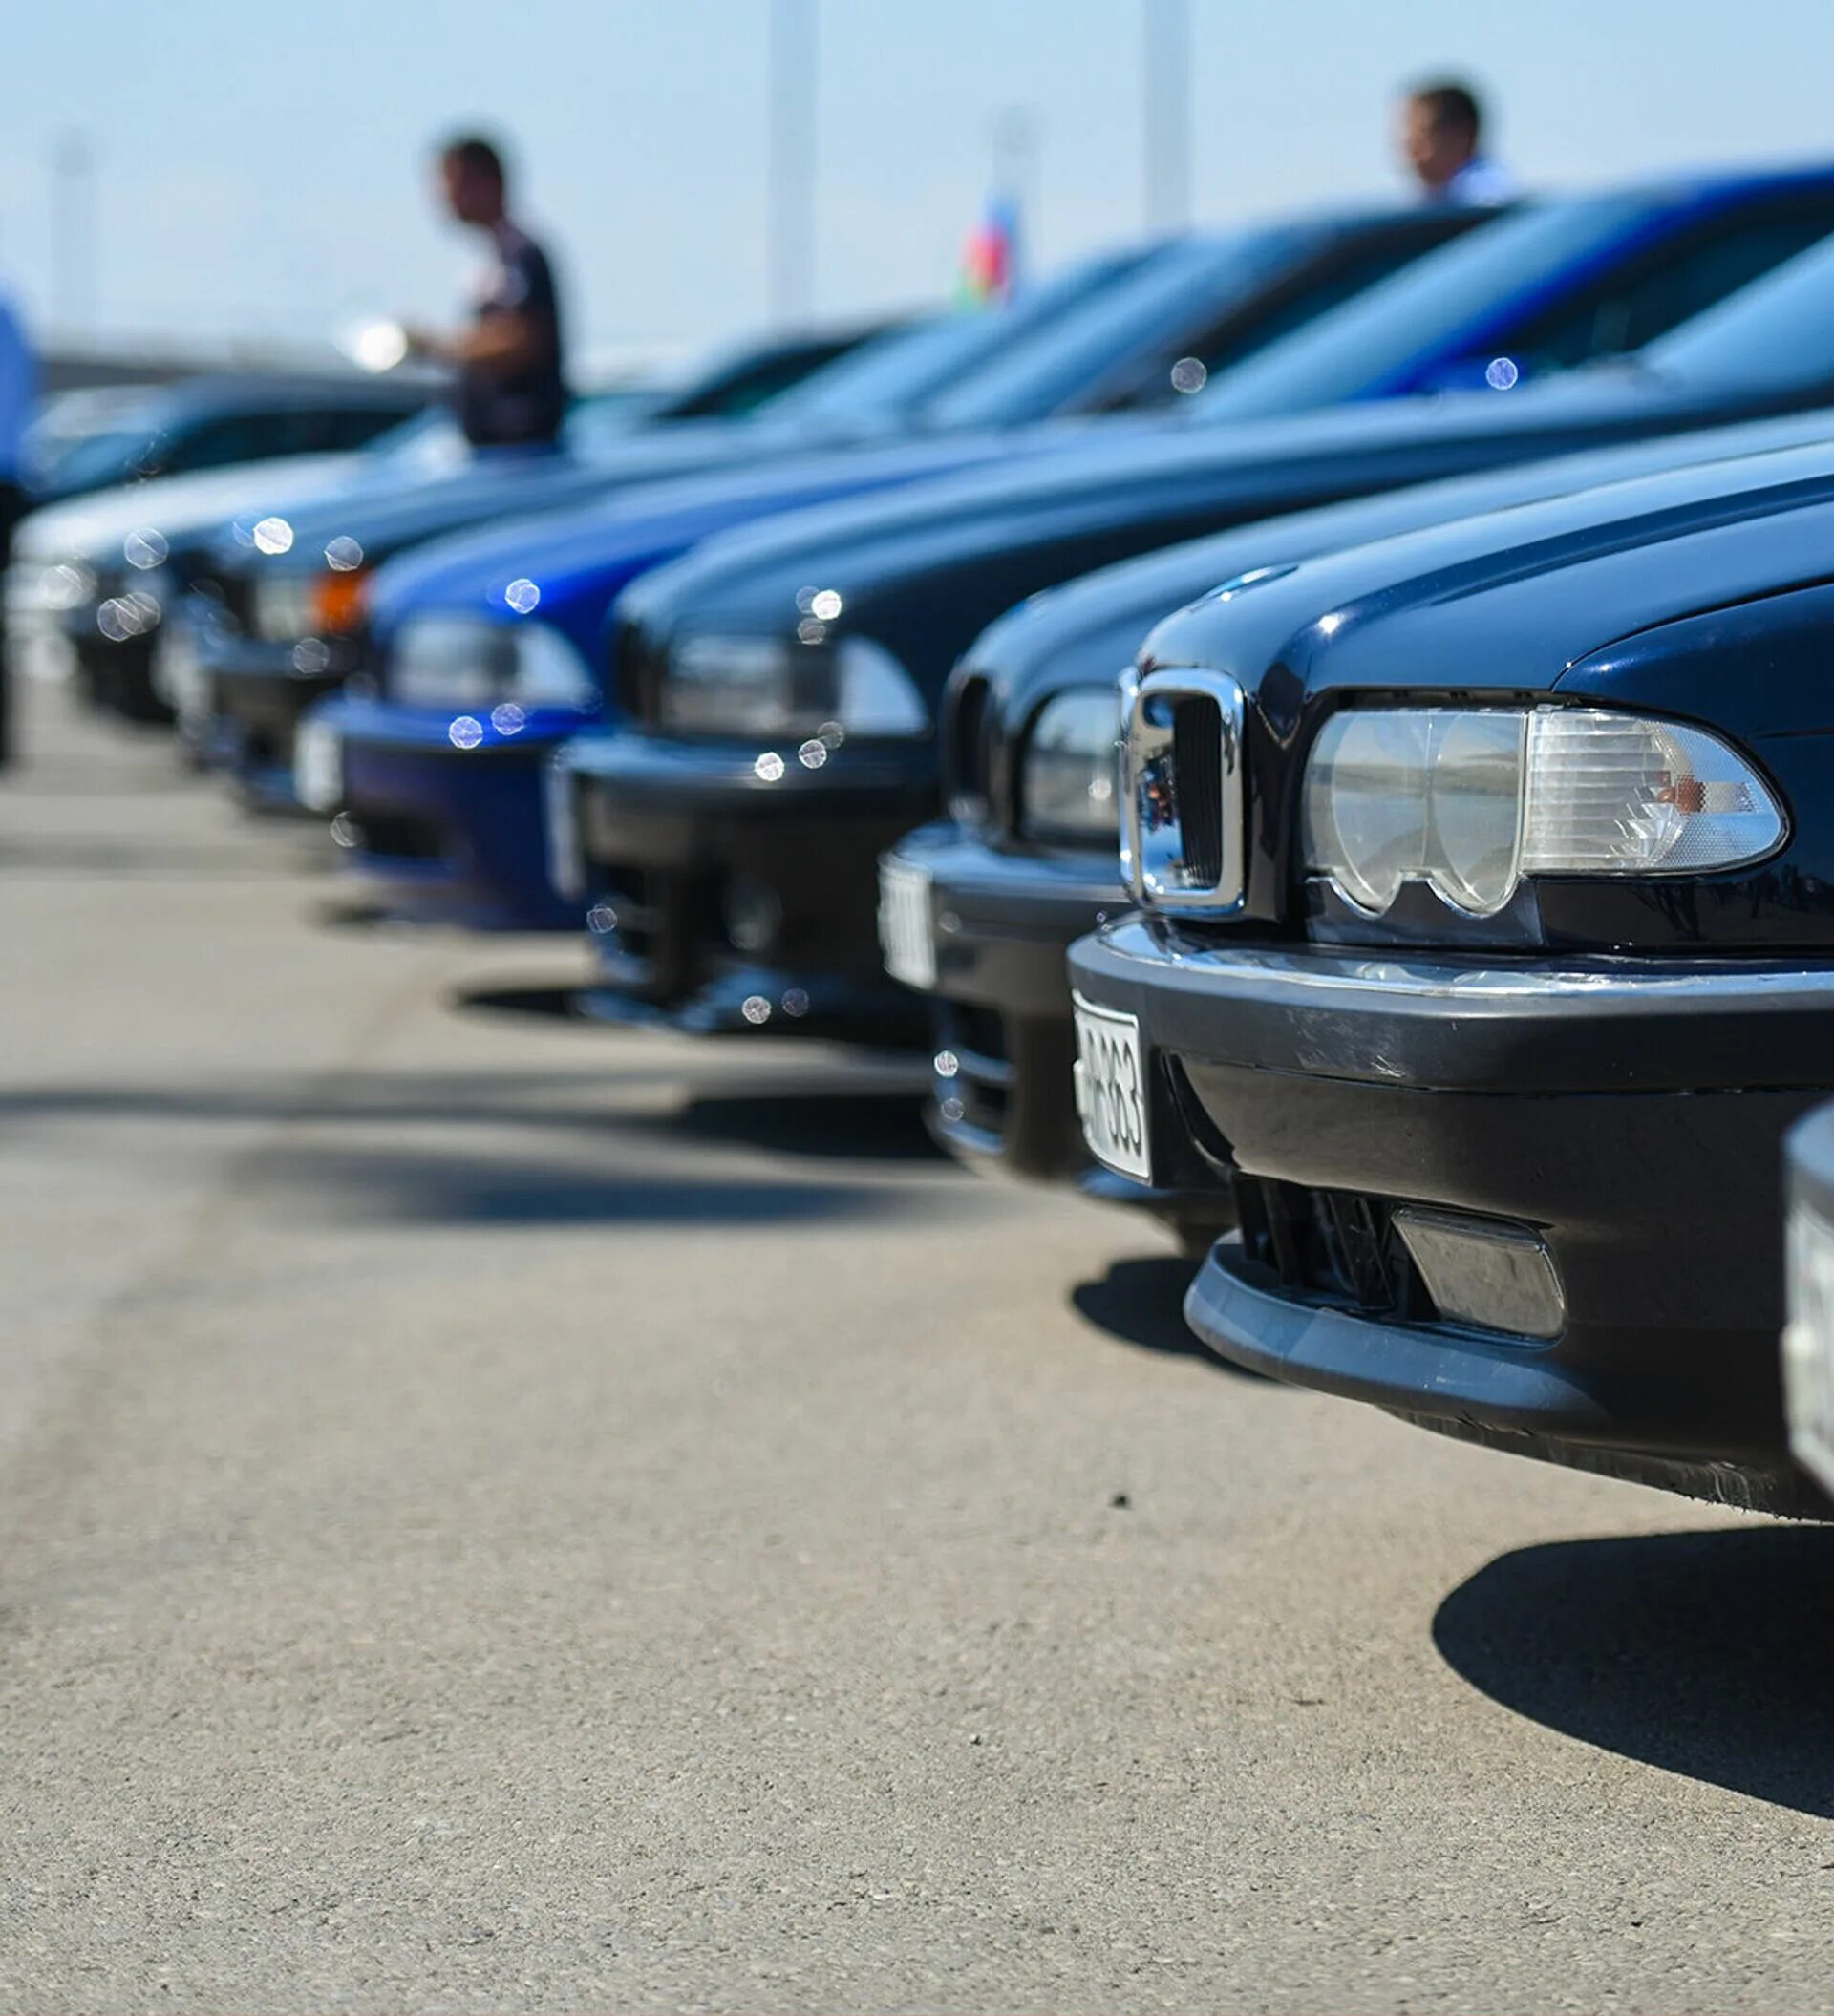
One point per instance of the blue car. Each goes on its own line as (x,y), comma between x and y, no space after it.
(1124,329)
(486,654)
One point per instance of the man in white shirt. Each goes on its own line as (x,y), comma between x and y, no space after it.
(1441,141)
(18,389)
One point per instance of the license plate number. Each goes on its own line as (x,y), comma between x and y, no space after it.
(318,767)
(1111,1088)
(904,927)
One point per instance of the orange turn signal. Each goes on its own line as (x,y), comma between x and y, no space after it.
(339,601)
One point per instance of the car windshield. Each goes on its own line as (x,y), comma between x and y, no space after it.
(430,436)
(601,416)
(1032,376)
(1423,315)
(95,459)
(886,379)
(1780,330)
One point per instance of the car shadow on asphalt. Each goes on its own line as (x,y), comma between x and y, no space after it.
(1702,1653)
(824,1126)
(1141,1302)
(835,1113)
(545,1147)
(153,860)
(399,1187)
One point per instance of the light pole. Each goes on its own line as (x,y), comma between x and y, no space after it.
(790,179)
(1016,165)
(1166,66)
(73,232)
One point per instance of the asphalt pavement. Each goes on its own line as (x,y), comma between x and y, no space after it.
(503,1514)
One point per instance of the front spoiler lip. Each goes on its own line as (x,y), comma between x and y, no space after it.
(1498,1397)
(1360,1357)
(802,1004)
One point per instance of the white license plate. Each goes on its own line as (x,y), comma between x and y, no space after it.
(566,857)
(1808,1344)
(904,925)
(177,671)
(318,767)
(1111,1088)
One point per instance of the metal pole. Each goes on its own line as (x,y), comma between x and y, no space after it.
(790,194)
(1166,25)
(1015,174)
(73,233)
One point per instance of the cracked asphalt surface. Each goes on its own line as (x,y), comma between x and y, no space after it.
(503,1514)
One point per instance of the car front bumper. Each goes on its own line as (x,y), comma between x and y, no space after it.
(1612,1130)
(252,698)
(732,887)
(1001,925)
(442,814)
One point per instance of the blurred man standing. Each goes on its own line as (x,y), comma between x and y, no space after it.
(18,389)
(1443,142)
(511,390)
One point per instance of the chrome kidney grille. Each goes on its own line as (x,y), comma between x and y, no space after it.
(965,734)
(1182,808)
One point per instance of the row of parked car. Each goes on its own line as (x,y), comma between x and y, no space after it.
(1430,920)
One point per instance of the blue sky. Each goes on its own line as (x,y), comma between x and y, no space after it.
(261,169)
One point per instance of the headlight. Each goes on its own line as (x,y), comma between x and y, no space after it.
(136,613)
(766,686)
(288,608)
(1068,777)
(62,585)
(471,661)
(1472,801)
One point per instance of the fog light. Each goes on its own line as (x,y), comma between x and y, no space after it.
(1492,1276)
(753,916)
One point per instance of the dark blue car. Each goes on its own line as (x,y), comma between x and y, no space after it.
(1122,333)
(435,772)
(1486,956)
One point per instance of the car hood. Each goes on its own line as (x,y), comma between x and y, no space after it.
(503,484)
(1084,632)
(588,550)
(93,527)
(1119,493)
(1509,601)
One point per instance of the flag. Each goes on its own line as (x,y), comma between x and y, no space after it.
(990,273)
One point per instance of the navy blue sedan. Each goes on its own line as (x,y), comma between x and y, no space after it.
(1486,950)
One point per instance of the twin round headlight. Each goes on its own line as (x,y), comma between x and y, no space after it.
(767,685)
(1070,773)
(1471,801)
(460,660)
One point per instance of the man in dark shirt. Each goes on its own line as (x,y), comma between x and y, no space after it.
(511,391)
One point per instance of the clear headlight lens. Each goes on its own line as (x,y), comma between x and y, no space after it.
(288,608)
(282,607)
(1470,801)
(1068,779)
(454,661)
(62,585)
(729,686)
(768,686)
